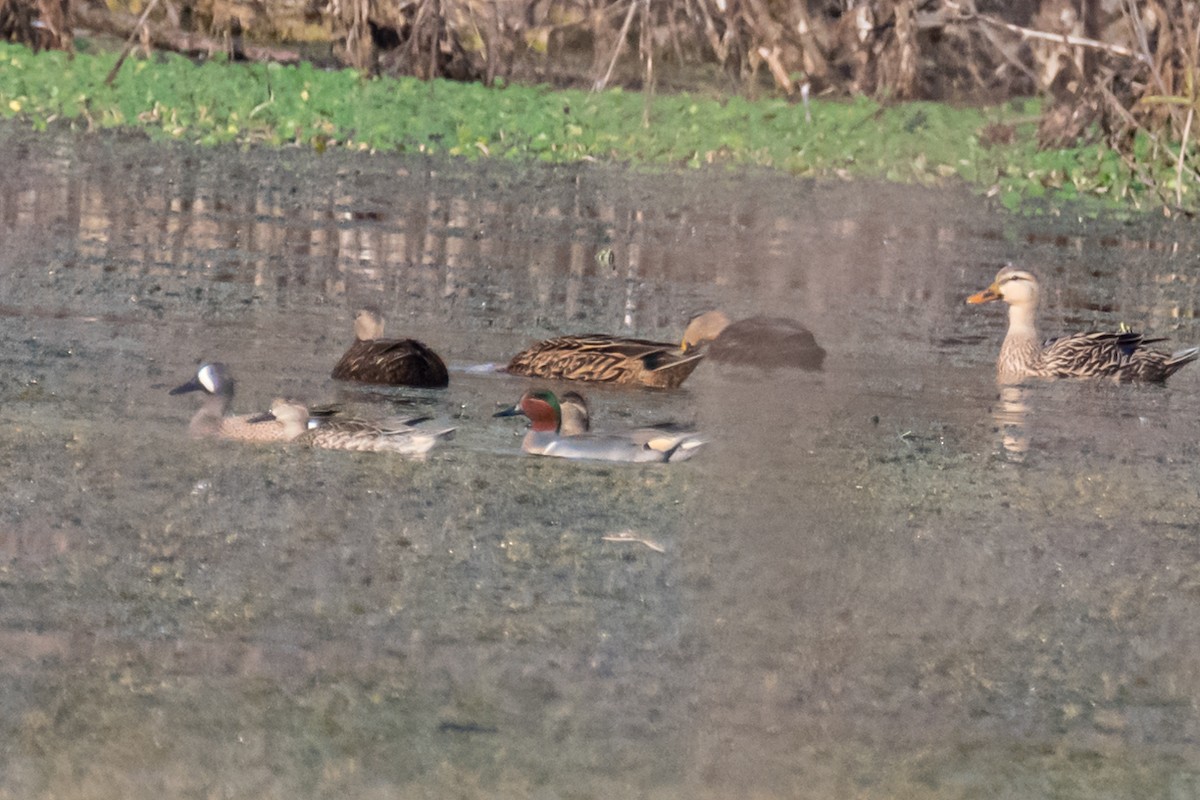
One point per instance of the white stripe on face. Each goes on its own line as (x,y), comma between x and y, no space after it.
(208,379)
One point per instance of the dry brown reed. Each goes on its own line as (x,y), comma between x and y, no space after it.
(41,24)
(1109,68)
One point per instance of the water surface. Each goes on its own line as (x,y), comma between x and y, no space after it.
(885,579)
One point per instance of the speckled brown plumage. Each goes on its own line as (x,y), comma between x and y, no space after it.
(213,418)
(602,358)
(1121,356)
(391,362)
(358,435)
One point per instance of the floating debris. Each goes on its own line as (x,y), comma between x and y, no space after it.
(630,536)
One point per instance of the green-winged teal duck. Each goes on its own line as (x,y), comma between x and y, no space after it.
(1122,356)
(213,418)
(391,436)
(573,410)
(601,358)
(392,362)
(757,341)
(547,437)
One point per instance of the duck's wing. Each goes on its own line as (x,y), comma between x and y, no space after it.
(392,362)
(1098,354)
(606,359)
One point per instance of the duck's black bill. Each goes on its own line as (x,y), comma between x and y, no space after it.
(511,411)
(266,416)
(193,385)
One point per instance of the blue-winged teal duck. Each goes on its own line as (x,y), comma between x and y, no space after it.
(211,420)
(602,358)
(757,341)
(392,362)
(547,437)
(391,436)
(1122,356)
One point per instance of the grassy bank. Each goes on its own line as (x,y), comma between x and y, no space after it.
(173,98)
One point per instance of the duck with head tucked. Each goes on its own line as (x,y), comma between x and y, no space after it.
(1121,355)
(385,436)
(767,342)
(390,362)
(550,435)
(213,419)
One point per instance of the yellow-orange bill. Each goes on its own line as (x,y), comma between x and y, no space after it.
(986,296)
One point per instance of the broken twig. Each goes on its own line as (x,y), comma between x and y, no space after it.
(1030,33)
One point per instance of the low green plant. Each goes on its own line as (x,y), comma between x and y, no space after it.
(171,97)
(1189,100)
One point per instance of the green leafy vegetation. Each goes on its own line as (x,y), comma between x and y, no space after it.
(173,98)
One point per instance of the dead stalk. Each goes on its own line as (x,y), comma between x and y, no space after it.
(1139,30)
(112,73)
(1059,38)
(1187,129)
(599,85)
(647,47)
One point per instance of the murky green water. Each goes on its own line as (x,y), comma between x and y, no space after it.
(883,580)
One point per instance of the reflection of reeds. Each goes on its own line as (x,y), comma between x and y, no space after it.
(560,250)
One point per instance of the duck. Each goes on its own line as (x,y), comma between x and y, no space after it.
(213,418)
(573,410)
(1119,355)
(576,419)
(601,358)
(766,342)
(391,362)
(346,433)
(548,437)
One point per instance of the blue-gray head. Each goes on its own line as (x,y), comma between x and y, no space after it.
(212,378)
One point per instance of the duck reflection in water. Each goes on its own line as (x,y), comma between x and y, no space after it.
(1010,414)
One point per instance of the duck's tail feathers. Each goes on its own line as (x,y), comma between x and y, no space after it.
(1180,359)
(685,448)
